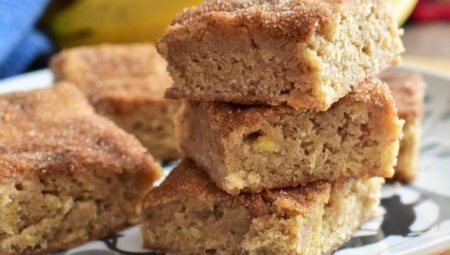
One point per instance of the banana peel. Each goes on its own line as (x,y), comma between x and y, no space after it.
(87,22)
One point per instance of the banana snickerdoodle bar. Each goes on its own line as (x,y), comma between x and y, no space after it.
(188,214)
(67,175)
(126,83)
(305,53)
(251,148)
(408,90)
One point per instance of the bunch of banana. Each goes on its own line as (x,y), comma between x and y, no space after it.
(124,21)
(114,21)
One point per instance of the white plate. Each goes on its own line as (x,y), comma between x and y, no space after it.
(416,217)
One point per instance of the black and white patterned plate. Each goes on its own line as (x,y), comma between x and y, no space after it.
(415,219)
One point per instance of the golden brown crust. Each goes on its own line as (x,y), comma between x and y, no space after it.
(55,130)
(186,180)
(117,74)
(124,96)
(408,90)
(231,117)
(279,18)
(90,63)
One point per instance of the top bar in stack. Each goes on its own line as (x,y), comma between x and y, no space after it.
(305,53)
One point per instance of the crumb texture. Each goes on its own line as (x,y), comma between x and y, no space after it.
(406,168)
(251,148)
(58,211)
(195,217)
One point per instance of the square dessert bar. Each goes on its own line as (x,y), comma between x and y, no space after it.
(251,148)
(305,53)
(188,214)
(126,83)
(408,90)
(67,175)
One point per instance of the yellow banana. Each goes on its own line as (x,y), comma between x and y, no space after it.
(114,21)
(403,9)
(126,21)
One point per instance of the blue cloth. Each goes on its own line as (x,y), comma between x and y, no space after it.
(20,42)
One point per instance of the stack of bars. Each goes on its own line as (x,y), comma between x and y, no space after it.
(286,132)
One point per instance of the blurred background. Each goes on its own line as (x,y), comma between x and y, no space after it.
(32,30)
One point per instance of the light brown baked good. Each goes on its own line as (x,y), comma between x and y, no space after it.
(305,53)
(408,90)
(126,83)
(67,175)
(188,214)
(251,148)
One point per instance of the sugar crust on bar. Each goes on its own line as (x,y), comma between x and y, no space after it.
(126,83)
(188,214)
(67,175)
(305,53)
(251,148)
(408,90)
